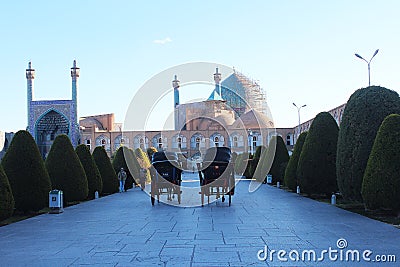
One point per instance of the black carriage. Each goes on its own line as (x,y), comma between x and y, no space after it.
(217,174)
(165,176)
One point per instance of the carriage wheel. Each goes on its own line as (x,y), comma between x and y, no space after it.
(179,195)
(231,188)
(158,195)
(169,193)
(202,196)
(152,193)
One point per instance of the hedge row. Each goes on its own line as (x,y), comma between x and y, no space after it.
(27,174)
(26,179)
(316,170)
(381,182)
(291,180)
(364,113)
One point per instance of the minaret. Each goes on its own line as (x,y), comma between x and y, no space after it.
(30,76)
(217,79)
(175,85)
(74,118)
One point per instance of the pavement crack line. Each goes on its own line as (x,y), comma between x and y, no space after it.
(162,248)
(148,239)
(192,257)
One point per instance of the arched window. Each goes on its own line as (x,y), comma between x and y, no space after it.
(103,143)
(179,142)
(141,142)
(289,140)
(88,144)
(254,143)
(216,141)
(198,142)
(159,142)
(235,141)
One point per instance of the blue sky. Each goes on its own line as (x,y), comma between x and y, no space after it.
(299,51)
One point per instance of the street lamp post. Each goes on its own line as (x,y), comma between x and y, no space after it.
(251,141)
(298,113)
(369,63)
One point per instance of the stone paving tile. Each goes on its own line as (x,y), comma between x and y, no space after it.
(125,230)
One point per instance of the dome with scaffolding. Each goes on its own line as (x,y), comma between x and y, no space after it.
(242,94)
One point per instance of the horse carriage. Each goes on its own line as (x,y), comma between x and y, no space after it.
(165,176)
(217,174)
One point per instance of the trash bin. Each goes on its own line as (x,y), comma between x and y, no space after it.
(56,201)
(269,179)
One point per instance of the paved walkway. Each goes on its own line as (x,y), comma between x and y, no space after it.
(125,230)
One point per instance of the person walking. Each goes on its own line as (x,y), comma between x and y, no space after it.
(122,178)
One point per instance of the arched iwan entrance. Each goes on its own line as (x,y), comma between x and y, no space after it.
(48,127)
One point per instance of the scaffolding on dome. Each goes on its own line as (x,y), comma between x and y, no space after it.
(243,94)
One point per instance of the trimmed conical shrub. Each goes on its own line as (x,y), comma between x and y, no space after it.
(280,158)
(260,169)
(290,179)
(110,179)
(241,163)
(95,182)
(316,169)
(6,198)
(66,171)
(381,184)
(121,160)
(28,177)
(140,154)
(247,172)
(256,159)
(234,157)
(133,166)
(364,113)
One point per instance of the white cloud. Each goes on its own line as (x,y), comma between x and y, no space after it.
(163,41)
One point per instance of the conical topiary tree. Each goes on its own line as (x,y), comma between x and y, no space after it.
(316,170)
(133,166)
(28,177)
(290,178)
(256,159)
(381,184)
(247,172)
(280,158)
(364,113)
(121,160)
(95,182)
(234,157)
(110,179)
(66,171)
(6,197)
(260,169)
(139,153)
(241,163)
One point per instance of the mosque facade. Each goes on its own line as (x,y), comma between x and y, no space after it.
(49,118)
(231,117)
